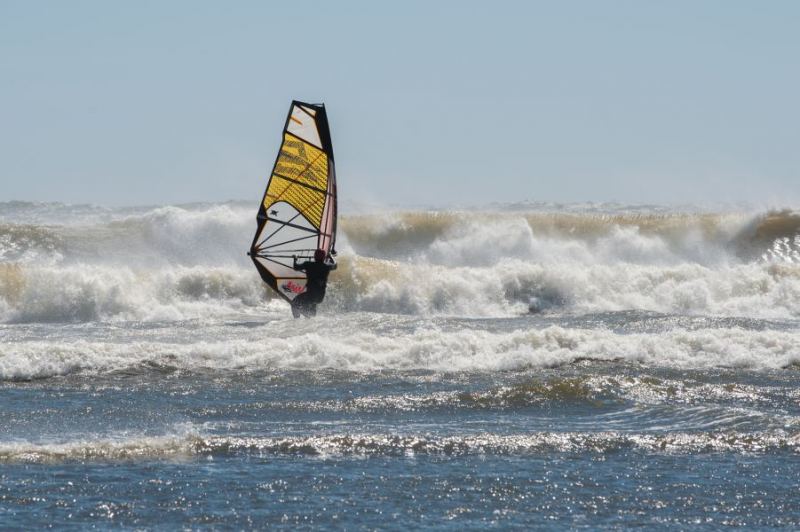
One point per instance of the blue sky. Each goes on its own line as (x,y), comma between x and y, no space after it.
(440,103)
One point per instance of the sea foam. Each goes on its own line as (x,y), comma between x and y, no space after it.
(178,263)
(333,344)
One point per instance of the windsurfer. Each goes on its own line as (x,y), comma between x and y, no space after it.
(317,271)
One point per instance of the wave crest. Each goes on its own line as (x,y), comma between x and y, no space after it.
(329,345)
(189,445)
(162,263)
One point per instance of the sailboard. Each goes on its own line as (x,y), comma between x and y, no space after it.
(297,214)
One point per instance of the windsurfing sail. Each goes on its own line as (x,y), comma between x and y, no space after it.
(298,212)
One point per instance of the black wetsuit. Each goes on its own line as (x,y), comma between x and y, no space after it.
(317,280)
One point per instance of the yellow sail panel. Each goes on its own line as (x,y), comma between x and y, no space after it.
(300,160)
(300,178)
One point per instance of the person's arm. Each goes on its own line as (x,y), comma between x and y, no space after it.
(295,266)
(331,263)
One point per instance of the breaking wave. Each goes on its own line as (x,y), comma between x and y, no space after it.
(177,263)
(350,348)
(191,445)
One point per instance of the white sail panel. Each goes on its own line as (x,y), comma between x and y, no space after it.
(302,125)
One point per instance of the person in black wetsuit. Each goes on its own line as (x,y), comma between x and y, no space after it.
(317,272)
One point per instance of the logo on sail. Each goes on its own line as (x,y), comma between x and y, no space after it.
(292,287)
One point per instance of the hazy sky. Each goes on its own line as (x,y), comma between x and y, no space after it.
(429,102)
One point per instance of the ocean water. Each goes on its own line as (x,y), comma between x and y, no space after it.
(531,365)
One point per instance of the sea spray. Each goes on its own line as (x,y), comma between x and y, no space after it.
(175,263)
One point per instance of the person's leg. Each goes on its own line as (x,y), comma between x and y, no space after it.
(299,305)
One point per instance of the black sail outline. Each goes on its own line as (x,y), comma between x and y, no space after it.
(298,213)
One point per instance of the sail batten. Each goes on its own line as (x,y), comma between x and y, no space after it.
(298,211)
